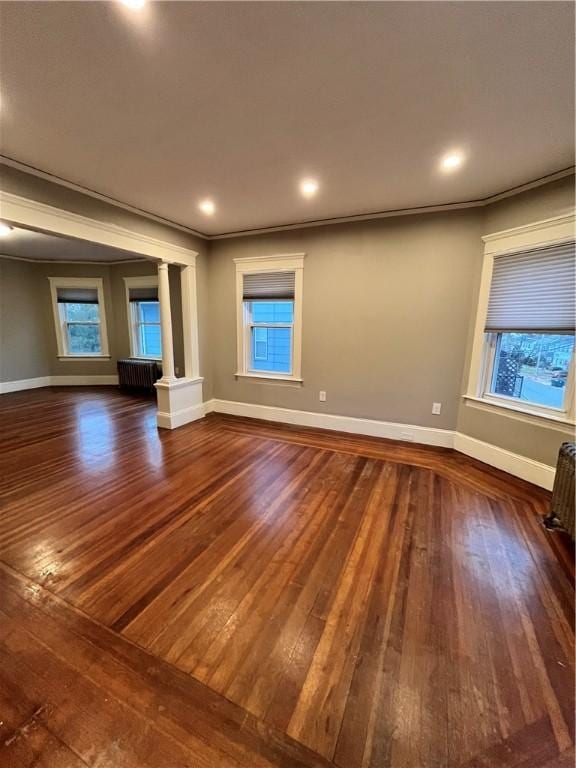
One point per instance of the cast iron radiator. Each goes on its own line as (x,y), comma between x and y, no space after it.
(562,505)
(137,373)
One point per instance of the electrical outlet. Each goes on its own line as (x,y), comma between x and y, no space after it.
(436,408)
(322,396)
(408,436)
(176,370)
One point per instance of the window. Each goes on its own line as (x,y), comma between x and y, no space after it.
(271,326)
(78,305)
(144,317)
(269,295)
(529,332)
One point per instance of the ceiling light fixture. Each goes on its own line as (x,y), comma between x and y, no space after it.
(134,5)
(5,230)
(207,207)
(308,187)
(452,161)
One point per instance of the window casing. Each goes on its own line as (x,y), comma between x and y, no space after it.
(143,309)
(269,317)
(79,317)
(523,350)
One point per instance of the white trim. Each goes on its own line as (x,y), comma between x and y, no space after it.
(520,413)
(371,427)
(141,281)
(278,262)
(61,341)
(175,419)
(519,466)
(57,381)
(17,386)
(269,377)
(532,235)
(189,296)
(29,213)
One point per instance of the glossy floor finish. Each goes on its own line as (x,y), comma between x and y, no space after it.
(349,601)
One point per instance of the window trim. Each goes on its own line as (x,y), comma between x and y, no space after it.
(290,262)
(144,281)
(59,321)
(539,234)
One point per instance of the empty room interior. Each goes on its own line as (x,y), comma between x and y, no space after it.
(287,398)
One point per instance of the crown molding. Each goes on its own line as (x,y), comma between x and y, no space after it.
(390,213)
(74,261)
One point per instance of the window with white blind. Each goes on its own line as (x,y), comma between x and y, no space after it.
(79,317)
(530,328)
(143,309)
(269,312)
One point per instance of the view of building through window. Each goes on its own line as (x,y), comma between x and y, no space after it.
(82,321)
(271,336)
(532,367)
(148,335)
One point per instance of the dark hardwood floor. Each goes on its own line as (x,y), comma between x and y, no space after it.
(239,593)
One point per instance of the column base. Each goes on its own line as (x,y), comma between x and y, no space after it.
(179,402)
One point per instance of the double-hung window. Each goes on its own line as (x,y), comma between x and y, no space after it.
(530,330)
(269,317)
(79,315)
(144,317)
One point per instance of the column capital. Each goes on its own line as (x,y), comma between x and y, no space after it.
(163,265)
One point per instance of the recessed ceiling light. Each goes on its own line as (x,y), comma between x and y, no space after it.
(135,5)
(5,230)
(308,187)
(207,207)
(452,161)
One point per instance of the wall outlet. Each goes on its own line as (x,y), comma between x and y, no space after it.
(176,370)
(408,436)
(322,396)
(436,408)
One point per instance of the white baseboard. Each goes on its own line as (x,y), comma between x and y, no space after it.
(179,418)
(83,381)
(371,427)
(520,466)
(16,386)
(57,381)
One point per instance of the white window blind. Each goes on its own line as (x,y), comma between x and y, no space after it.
(268,285)
(533,291)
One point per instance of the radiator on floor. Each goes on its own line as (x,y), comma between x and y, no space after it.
(141,374)
(563,502)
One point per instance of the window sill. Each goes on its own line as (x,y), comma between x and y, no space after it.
(528,414)
(270,377)
(83,357)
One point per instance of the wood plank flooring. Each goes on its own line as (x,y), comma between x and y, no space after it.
(358,602)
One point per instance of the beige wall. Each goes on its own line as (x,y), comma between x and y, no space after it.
(24,333)
(538,442)
(385,316)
